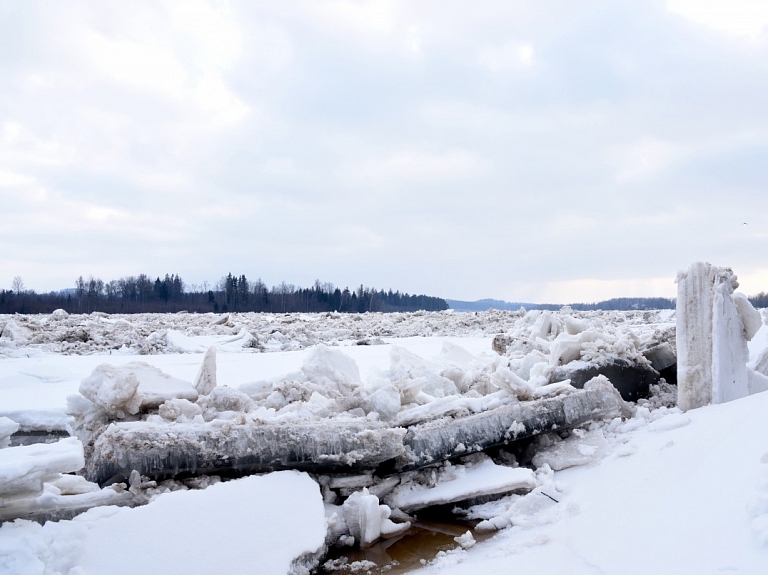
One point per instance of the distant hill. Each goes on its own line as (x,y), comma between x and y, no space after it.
(621,303)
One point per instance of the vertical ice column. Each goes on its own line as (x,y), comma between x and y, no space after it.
(712,337)
(729,347)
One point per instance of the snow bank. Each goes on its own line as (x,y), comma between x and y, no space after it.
(268,524)
(665,501)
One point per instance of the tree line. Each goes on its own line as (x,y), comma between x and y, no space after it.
(233,293)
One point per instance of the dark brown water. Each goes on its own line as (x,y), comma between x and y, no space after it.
(405,553)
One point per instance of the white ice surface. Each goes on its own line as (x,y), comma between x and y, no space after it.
(693,498)
(690,499)
(257,524)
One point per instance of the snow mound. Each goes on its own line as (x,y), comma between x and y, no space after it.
(273,523)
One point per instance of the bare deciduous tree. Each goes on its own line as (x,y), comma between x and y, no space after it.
(17,285)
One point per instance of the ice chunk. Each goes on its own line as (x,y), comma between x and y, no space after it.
(543,325)
(553,389)
(15,332)
(113,389)
(156,387)
(751,319)
(74,485)
(661,356)
(406,365)
(131,387)
(205,380)
(54,504)
(59,314)
(730,352)
(600,382)
(574,326)
(174,409)
(363,517)
(756,381)
(465,541)
(505,378)
(565,349)
(40,419)
(385,401)
(7,428)
(579,449)
(461,483)
(329,367)
(228,399)
(23,469)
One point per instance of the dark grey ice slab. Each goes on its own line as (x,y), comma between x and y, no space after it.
(444,439)
(163,451)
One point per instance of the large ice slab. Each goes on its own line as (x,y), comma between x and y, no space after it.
(160,451)
(461,483)
(443,439)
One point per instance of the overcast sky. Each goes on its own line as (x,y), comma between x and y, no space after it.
(528,151)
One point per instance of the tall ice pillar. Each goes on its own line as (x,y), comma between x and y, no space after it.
(713,326)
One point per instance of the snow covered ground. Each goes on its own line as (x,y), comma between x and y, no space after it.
(660,491)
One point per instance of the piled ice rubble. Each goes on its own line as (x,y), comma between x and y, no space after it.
(714,324)
(321,418)
(391,436)
(418,434)
(546,347)
(253,332)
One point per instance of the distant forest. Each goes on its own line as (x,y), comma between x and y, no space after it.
(619,304)
(142,294)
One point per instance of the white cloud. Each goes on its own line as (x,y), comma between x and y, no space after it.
(508,56)
(647,157)
(416,165)
(744,18)
(11,179)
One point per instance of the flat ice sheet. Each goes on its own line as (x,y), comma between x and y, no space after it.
(485,478)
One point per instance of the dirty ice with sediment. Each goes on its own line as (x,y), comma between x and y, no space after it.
(631,484)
